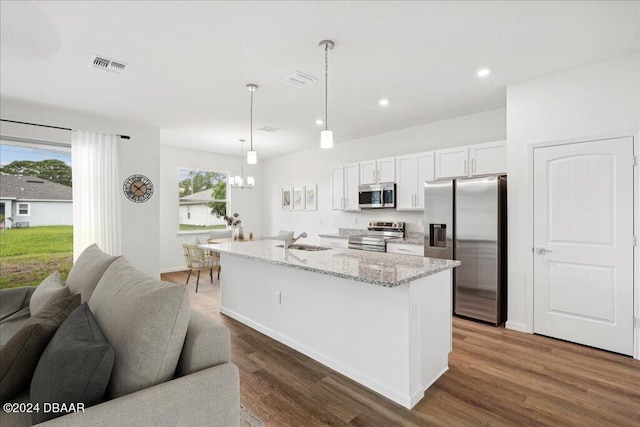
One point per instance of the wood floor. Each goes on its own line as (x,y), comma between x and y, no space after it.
(496,377)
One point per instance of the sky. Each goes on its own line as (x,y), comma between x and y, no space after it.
(10,153)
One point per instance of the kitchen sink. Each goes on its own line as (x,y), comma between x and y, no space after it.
(305,247)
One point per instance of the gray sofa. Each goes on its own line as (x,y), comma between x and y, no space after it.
(203,391)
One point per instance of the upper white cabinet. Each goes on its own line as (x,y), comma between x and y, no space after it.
(488,159)
(344,186)
(426,172)
(337,187)
(351,182)
(375,171)
(452,162)
(412,171)
(473,160)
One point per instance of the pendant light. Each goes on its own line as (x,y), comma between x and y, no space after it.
(252,156)
(326,136)
(239,181)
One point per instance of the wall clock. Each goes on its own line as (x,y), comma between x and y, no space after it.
(138,188)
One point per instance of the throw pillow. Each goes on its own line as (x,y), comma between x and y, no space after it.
(19,357)
(50,290)
(145,320)
(87,271)
(75,367)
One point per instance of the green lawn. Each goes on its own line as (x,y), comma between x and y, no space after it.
(187,227)
(28,255)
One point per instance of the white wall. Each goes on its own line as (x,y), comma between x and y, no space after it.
(313,167)
(139,155)
(585,102)
(46,213)
(248,203)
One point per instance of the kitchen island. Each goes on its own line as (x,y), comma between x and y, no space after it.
(383,320)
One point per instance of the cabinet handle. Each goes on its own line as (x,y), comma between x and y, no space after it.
(465,166)
(473,166)
(403,250)
(373,175)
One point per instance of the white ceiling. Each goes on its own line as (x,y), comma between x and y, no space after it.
(190,61)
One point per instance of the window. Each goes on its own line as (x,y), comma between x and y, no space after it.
(203,199)
(24,209)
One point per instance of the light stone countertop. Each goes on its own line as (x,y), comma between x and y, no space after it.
(378,268)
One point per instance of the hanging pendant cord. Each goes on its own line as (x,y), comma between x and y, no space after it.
(326,87)
(251,121)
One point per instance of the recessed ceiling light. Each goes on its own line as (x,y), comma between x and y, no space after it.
(319,122)
(383,102)
(483,72)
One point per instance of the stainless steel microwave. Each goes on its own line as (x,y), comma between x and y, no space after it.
(376,196)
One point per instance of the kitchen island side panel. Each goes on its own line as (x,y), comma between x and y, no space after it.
(366,332)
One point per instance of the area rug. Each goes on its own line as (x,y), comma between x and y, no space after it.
(248,419)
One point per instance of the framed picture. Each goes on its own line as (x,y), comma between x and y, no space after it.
(298,198)
(310,201)
(286,198)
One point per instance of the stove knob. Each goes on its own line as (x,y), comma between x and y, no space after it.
(394,225)
(371,224)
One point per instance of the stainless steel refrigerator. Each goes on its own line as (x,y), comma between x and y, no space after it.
(466,219)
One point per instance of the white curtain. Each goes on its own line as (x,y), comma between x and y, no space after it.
(96,191)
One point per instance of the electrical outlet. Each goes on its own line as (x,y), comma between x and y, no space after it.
(278,297)
(421,222)
(320,220)
(355,221)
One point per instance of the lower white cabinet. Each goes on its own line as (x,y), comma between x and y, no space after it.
(405,249)
(334,242)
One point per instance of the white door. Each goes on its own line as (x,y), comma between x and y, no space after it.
(337,187)
(425,173)
(407,167)
(387,170)
(451,163)
(583,243)
(351,181)
(368,172)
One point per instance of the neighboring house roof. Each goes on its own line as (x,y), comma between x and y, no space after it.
(32,188)
(202,196)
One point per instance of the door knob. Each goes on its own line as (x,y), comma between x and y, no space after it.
(542,251)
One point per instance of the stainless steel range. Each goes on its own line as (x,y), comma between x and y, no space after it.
(378,233)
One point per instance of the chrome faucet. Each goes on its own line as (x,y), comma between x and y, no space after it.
(302,235)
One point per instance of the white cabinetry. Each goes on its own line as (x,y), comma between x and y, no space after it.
(344,186)
(412,171)
(337,187)
(488,159)
(452,162)
(405,249)
(351,182)
(378,171)
(472,160)
(334,242)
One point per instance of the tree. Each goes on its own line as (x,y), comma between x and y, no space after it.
(219,193)
(199,181)
(51,170)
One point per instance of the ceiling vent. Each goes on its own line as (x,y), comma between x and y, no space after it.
(268,129)
(106,64)
(299,79)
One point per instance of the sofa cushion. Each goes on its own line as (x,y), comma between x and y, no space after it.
(87,271)
(12,324)
(145,320)
(19,357)
(75,367)
(50,290)
(13,300)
